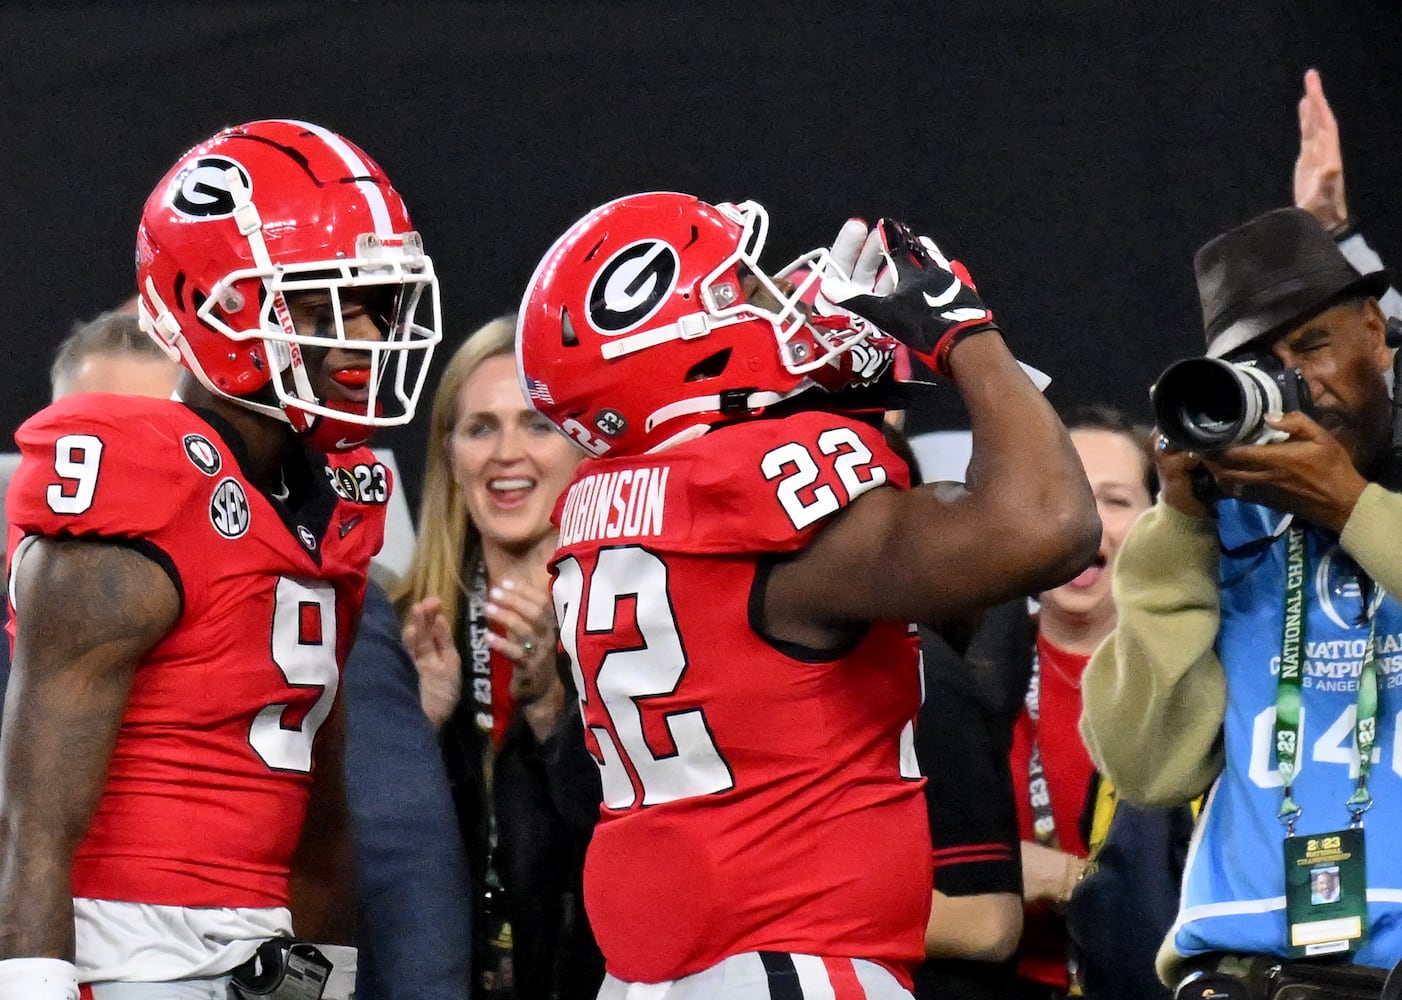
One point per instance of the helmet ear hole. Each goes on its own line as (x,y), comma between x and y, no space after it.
(568,338)
(711,367)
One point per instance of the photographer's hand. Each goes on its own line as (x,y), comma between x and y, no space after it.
(1175,478)
(1311,475)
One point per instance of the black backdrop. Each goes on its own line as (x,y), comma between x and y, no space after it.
(1073,153)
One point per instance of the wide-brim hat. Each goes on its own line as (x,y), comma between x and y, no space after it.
(1270,274)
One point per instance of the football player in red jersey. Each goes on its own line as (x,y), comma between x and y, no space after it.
(737,571)
(186,575)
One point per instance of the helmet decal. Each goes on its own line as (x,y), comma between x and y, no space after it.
(632,286)
(202,190)
(610,423)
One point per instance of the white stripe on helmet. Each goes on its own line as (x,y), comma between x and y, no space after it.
(374,197)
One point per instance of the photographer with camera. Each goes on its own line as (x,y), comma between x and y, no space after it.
(1257,643)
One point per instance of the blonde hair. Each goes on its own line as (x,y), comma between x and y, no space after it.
(448,541)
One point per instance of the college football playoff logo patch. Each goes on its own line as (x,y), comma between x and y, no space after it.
(202,191)
(202,454)
(228,509)
(343,482)
(632,286)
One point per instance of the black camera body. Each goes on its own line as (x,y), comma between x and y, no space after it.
(1207,404)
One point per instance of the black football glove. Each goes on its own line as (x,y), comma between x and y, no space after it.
(903,284)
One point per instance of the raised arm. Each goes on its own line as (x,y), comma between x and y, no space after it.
(1027,521)
(1319,184)
(85,614)
(1319,169)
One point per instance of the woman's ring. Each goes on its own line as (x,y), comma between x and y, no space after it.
(528,645)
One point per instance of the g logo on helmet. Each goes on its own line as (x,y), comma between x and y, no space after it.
(202,191)
(632,286)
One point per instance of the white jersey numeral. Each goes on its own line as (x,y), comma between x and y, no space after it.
(800,470)
(304,649)
(76,461)
(692,765)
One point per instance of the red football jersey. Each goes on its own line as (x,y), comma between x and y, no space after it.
(209,779)
(757,796)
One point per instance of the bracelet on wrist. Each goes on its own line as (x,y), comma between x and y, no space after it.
(1342,229)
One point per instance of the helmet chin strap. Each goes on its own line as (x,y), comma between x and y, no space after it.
(756,400)
(282,356)
(327,434)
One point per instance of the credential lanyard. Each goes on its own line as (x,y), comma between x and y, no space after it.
(1287,692)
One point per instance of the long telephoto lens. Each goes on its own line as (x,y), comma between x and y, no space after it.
(1205,404)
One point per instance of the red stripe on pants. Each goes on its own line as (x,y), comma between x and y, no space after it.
(843,976)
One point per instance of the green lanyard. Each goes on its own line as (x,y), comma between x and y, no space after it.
(1287,693)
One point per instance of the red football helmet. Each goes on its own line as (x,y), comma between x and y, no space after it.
(634,332)
(256,214)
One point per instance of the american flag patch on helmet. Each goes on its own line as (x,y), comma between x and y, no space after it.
(538,391)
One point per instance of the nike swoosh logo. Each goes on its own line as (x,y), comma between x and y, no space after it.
(943,298)
(350,523)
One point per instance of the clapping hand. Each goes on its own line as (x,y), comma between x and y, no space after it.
(429,639)
(523,629)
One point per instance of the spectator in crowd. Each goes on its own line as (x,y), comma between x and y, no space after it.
(478,620)
(158,752)
(1255,609)
(734,594)
(111,353)
(1055,780)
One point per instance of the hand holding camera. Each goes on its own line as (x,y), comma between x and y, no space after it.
(1305,471)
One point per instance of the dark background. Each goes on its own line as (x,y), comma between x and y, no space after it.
(1074,153)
